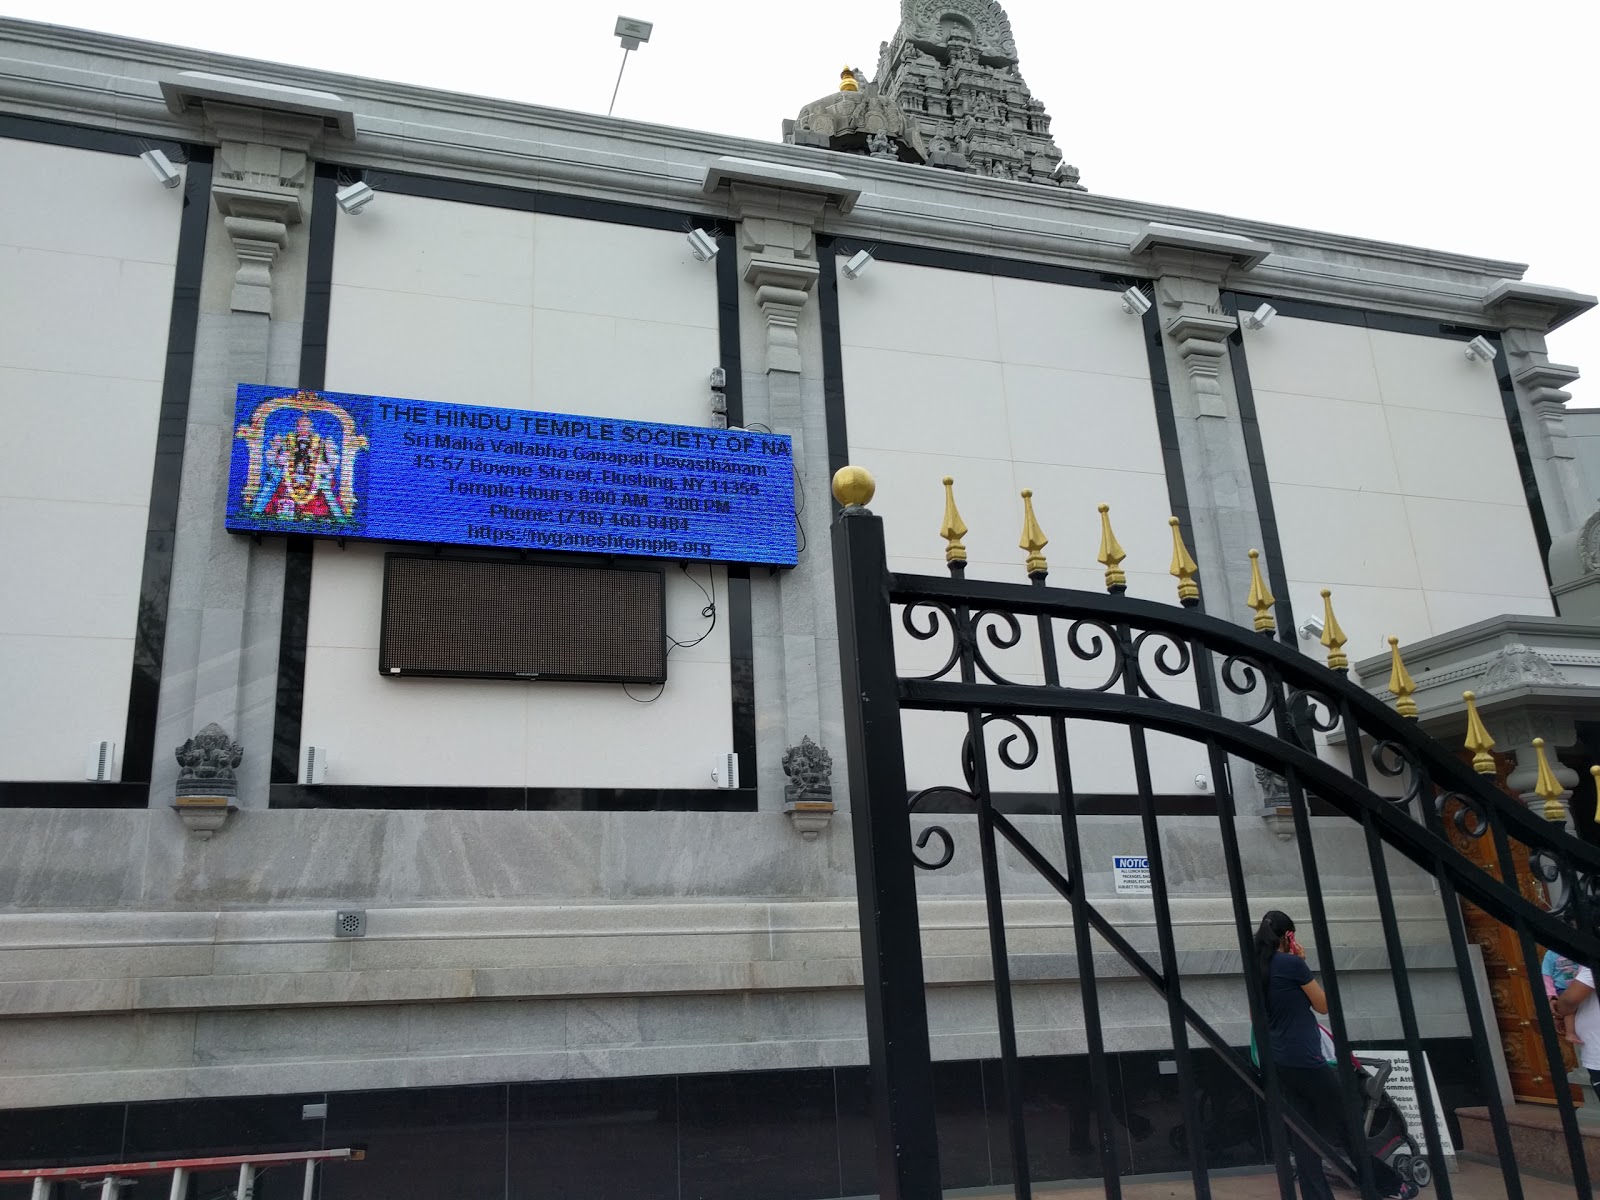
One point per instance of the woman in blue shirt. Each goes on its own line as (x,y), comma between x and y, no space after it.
(1294,1039)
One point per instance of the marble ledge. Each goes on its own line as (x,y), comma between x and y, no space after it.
(331,989)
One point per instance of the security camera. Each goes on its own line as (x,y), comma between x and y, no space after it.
(1259,318)
(1310,629)
(1481,347)
(857,263)
(353,197)
(702,245)
(1135,302)
(161,167)
(719,378)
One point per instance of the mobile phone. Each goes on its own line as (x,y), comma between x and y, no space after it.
(1294,945)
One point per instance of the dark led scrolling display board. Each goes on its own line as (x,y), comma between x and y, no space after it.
(335,464)
(471,618)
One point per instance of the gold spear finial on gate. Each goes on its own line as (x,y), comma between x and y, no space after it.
(1260,599)
(1401,685)
(1111,554)
(1547,787)
(1478,739)
(1033,538)
(1183,567)
(953,529)
(1333,636)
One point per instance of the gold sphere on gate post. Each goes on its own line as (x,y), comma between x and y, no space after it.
(853,487)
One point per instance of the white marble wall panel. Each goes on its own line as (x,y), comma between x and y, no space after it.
(1393,479)
(435,300)
(1035,386)
(86,271)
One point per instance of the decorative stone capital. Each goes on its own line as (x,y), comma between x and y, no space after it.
(781,289)
(1544,384)
(1202,342)
(1197,253)
(760,184)
(1513,304)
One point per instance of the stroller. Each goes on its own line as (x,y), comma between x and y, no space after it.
(1388,1139)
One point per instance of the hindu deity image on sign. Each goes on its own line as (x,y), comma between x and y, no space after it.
(303,451)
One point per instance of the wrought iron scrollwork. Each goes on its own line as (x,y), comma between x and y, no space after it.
(934,612)
(1394,761)
(1172,658)
(1244,676)
(946,842)
(1007,640)
(1095,649)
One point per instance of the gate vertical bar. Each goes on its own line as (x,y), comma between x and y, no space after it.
(1082,938)
(1166,944)
(1399,972)
(1205,673)
(907,1151)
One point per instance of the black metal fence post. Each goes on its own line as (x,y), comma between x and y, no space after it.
(891,941)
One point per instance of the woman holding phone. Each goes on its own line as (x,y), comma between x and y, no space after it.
(1293,1000)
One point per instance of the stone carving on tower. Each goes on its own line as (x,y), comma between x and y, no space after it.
(950,75)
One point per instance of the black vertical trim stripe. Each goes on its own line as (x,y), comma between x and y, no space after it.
(155,583)
(730,353)
(1167,430)
(299,550)
(1519,446)
(833,405)
(741,621)
(1260,484)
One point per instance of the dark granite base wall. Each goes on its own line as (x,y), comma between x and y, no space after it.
(779,1135)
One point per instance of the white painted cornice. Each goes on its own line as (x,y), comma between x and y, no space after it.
(113,82)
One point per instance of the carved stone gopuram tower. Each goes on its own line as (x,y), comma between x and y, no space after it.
(950,73)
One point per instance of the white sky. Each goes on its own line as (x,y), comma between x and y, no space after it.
(1466,126)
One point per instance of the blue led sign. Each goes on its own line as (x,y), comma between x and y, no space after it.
(336,465)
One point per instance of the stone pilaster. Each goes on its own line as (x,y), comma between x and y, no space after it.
(224,612)
(1190,267)
(796,635)
(1526,313)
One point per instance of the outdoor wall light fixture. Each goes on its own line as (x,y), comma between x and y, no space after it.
(1481,347)
(857,263)
(1259,318)
(1135,303)
(702,245)
(353,197)
(161,167)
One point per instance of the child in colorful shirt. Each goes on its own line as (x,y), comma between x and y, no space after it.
(1558,972)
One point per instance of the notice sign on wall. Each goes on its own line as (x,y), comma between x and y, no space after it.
(1132,874)
(333,464)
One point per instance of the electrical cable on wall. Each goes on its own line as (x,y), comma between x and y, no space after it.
(709,611)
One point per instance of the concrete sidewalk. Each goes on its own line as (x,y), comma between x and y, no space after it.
(1474,1181)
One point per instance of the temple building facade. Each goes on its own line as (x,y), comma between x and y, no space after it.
(296,852)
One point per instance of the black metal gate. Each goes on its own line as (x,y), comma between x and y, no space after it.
(1256,701)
